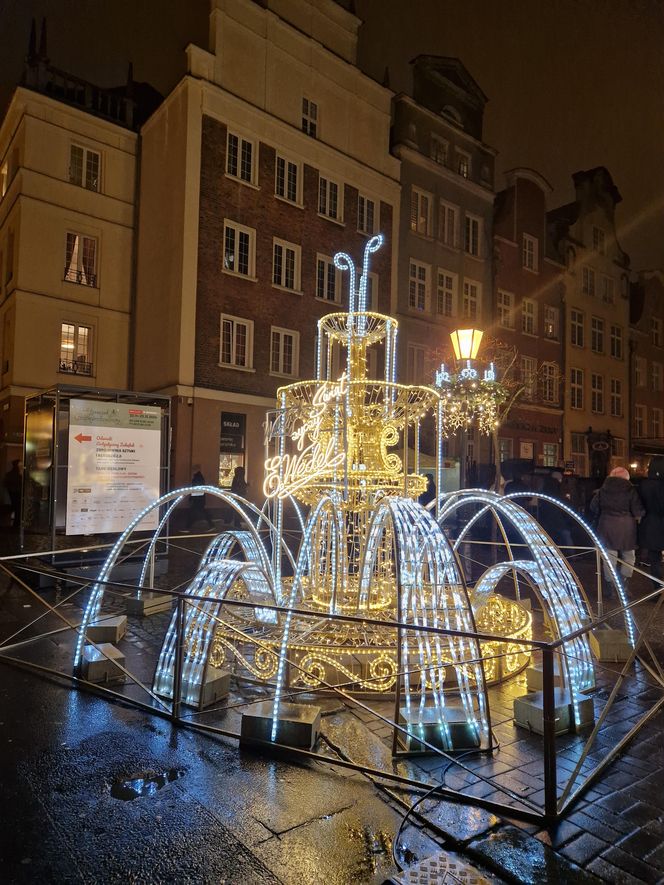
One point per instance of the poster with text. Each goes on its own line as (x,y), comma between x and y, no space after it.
(114,463)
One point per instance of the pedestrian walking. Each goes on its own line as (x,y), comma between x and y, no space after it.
(239,487)
(617,509)
(552,517)
(14,487)
(197,509)
(651,528)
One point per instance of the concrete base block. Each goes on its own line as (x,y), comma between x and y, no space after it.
(535,678)
(149,604)
(298,725)
(457,734)
(216,686)
(610,645)
(529,712)
(108,629)
(99,664)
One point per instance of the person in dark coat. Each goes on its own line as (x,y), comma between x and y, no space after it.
(617,507)
(197,509)
(651,529)
(552,517)
(239,487)
(429,493)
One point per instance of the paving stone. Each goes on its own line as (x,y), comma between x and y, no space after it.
(644,841)
(556,836)
(630,864)
(584,848)
(606,871)
(461,822)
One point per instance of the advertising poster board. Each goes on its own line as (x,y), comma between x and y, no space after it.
(114,465)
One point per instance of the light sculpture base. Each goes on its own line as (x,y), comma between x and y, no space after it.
(425,723)
(529,712)
(108,629)
(99,664)
(610,645)
(298,725)
(535,676)
(149,604)
(215,686)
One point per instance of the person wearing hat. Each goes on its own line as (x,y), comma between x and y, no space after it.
(617,507)
(651,529)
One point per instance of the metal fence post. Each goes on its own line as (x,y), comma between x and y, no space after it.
(179,659)
(549,737)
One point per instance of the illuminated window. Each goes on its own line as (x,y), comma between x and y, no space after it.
(420,212)
(84,167)
(415,364)
(550,454)
(284,351)
(505,448)
(286,265)
(309,117)
(656,423)
(597,335)
(529,316)
(617,448)
(470,307)
(656,331)
(597,393)
(81,259)
(550,383)
(239,249)
(598,240)
(640,371)
(640,416)
(617,342)
(329,198)
(529,376)
(579,453)
(588,281)
(448,224)
(327,279)
(472,238)
(75,349)
(616,398)
(656,377)
(529,252)
(418,285)
(439,148)
(366,215)
(240,155)
(446,294)
(287,179)
(551,322)
(505,309)
(237,342)
(576,388)
(576,328)
(463,163)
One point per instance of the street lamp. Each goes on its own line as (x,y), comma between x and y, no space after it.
(466,343)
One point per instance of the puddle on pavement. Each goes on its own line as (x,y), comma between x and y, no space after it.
(143,785)
(375,845)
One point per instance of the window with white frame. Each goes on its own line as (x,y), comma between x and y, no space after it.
(236,348)
(505,309)
(470,307)
(240,157)
(640,418)
(448,223)
(439,149)
(415,364)
(446,294)
(329,198)
(576,388)
(418,285)
(597,393)
(287,179)
(309,117)
(529,316)
(80,259)
(473,233)
(579,453)
(463,163)
(550,454)
(588,281)
(616,398)
(530,252)
(617,449)
(505,448)
(286,265)
(239,248)
(640,371)
(327,279)
(656,331)
(551,322)
(656,423)
(421,212)
(366,215)
(529,376)
(75,349)
(617,342)
(85,167)
(608,289)
(597,335)
(550,376)
(371,292)
(656,377)
(577,325)
(284,351)
(598,240)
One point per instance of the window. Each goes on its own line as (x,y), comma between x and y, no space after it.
(470,309)
(472,240)
(329,202)
(240,157)
(656,423)
(579,453)
(529,316)
(640,414)
(237,342)
(448,223)
(549,382)
(239,249)
(286,265)
(656,331)
(415,365)
(529,376)
(608,289)
(550,454)
(551,322)
(576,388)
(284,351)
(616,398)
(529,252)
(576,328)
(420,212)
(617,449)
(505,448)
(446,294)
(640,369)
(439,148)
(4,179)
(366,215)
(80,259)
(617,342)
(597,393)
(598,240)
(75,349)
(597,335)
(84,167)
(309,117)
(371,292)
(463,163)
(505,309)
(588,281)
(287,180)
(656,377)
(327,279)
(418,286)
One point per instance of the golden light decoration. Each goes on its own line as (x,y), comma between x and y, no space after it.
(466,343)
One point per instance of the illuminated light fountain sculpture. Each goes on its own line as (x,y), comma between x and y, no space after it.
(371,559)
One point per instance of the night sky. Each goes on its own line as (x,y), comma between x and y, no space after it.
(572,84)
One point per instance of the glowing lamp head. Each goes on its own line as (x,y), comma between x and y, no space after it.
(466,343)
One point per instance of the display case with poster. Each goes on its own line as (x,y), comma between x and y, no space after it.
(231,446)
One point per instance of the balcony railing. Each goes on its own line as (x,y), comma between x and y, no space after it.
(74,275)
(77,366)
